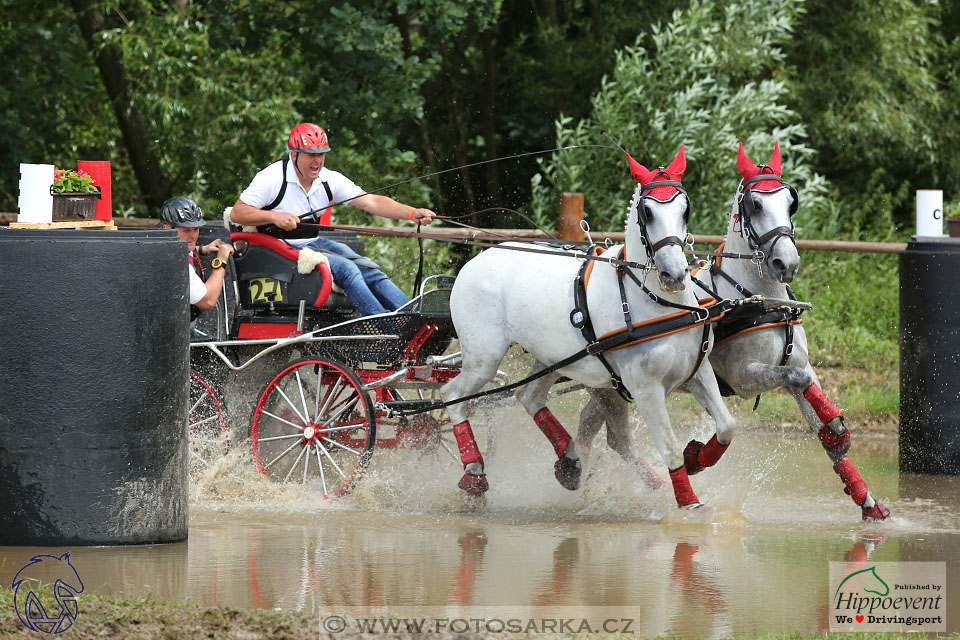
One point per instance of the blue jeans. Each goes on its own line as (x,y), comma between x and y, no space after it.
(369,289)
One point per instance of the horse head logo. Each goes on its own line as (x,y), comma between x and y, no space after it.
(65,583)
(866,580)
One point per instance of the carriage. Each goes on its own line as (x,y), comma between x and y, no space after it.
(286,364)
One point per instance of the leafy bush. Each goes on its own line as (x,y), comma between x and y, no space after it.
(707,79)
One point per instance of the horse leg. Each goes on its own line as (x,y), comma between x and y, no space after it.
(610,408)
(533,397)
(651,402)
(478,369)
(826,420)
(696,455)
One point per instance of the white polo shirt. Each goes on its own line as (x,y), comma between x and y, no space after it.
(265,187)
(197,288)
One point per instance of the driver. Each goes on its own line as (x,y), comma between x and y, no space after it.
(184,215)
(299,184)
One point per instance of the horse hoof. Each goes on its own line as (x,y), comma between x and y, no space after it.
(691,506)
(473,484)
(876,513)
(567,471)
(691,457)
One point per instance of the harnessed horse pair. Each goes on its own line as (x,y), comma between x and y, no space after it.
(503,297)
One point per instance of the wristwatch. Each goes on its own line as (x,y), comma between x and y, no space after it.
(217,263)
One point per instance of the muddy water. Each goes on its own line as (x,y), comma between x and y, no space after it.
(756,562)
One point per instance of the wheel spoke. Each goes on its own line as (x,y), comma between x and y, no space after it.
(292,435)
(283,420)
(319,381)
(343,427)
(292,406)
(215,416)
(323,478)
(333,462)
(306,463)
(333,417)
(342,446)
(294,465)
(330,394)
(351,399)
(303,399)
(196,404)
(285,452)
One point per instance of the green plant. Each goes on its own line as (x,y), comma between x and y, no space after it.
(953,210)
(70,181)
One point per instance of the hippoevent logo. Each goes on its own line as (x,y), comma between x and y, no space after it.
(888,596)
(65,585)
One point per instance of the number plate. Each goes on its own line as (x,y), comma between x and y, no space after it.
(265,290)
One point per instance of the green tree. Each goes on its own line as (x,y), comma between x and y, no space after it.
(707,79)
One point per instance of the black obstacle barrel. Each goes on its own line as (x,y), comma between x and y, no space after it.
(94,375)
(930,356)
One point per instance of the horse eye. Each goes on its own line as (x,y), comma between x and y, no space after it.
(648,212)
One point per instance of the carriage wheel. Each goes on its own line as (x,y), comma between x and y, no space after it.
(313,424)
(207,426)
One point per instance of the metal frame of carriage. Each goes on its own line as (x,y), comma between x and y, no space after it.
(318,417)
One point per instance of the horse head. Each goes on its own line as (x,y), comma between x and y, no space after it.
(658,215)
(766,207)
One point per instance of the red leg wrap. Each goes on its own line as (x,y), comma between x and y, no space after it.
(825,409)
(711,452)
(466,443)
(681,487)
(552,428)
(856,488)
(835,444)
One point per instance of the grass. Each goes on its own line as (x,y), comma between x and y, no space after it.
(148,619)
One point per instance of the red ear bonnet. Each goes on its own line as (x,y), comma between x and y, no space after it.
(645,176)
(749,170)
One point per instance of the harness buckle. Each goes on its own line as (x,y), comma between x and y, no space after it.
(789,349)
(700,319)
(593,348)
(625,307)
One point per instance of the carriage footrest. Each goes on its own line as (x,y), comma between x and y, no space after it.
(409,407)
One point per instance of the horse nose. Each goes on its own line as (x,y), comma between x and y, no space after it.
(783,271)
(671,283)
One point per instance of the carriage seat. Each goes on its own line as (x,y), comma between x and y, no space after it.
(268,274)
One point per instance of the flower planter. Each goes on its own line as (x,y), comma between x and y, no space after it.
(74,206)
(953,227)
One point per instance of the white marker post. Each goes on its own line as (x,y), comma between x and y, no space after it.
(929,212)
(35,202)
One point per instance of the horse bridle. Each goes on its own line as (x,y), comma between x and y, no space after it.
(642,219)
(745,202)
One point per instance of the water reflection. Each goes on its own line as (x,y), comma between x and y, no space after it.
(766,573)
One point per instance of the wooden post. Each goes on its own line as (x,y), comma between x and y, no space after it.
(571,213)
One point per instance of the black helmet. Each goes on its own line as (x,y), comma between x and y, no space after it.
(181,212)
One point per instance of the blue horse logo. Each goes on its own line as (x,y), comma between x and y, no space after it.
(66,586)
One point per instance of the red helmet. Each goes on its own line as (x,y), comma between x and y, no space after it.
(309,138)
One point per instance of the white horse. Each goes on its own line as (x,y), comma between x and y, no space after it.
(503,297)
(758,354)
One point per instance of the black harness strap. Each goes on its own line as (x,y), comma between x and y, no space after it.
(580,318)
(283,185)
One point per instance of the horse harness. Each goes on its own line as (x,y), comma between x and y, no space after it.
(730,328)
(689,317)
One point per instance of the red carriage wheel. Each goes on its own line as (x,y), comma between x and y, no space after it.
(314,425)
(206,426)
